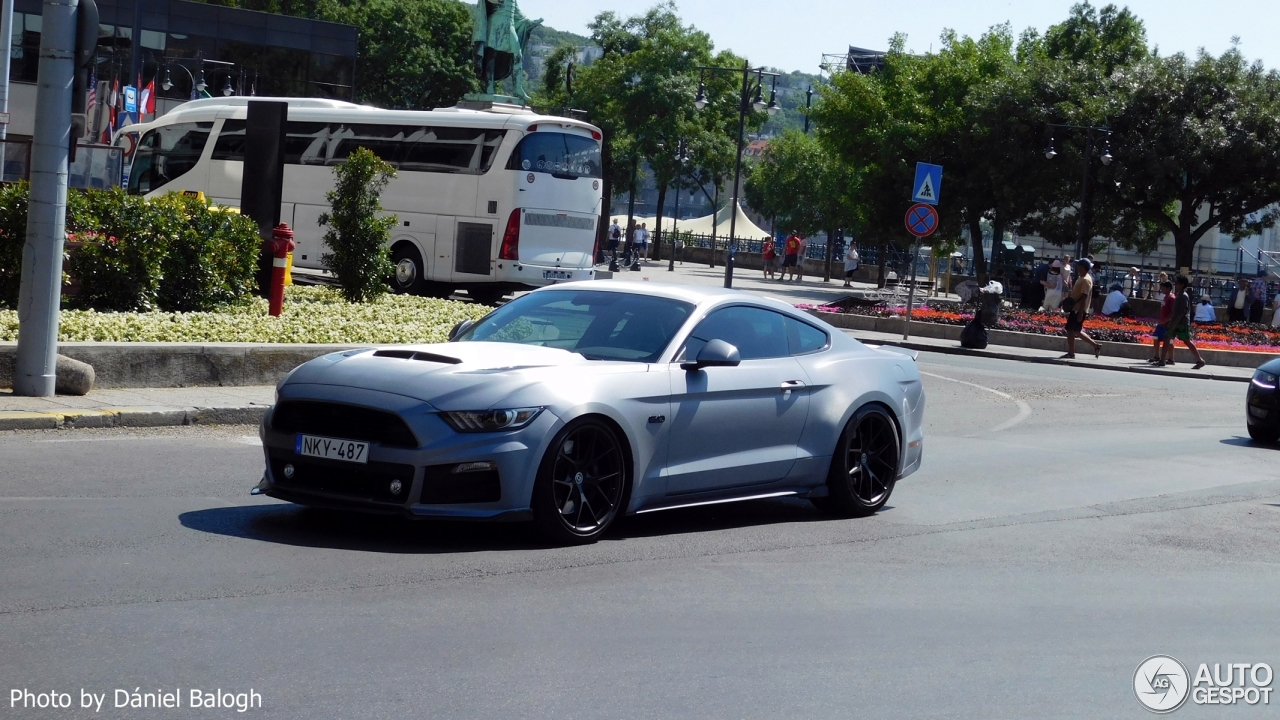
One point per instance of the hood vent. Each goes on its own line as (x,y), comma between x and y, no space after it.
(418,355)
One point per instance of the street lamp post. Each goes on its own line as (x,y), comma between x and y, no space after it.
(682,157)
(745,103)
(1086,199)
(808,105)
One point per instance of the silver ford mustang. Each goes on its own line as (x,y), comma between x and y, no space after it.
(578,402)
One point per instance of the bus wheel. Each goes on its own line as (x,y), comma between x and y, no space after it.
(407,272)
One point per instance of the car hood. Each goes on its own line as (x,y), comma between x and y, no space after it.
(449,376)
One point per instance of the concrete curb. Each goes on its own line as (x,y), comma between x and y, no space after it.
(131,417)
(1032,341)
(158,365)
(951,350)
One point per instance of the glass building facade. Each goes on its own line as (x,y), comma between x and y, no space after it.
(252,52)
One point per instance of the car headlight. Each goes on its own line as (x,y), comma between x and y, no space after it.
(472,421)
(1265,380)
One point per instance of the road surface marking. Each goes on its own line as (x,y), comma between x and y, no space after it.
(1024,410)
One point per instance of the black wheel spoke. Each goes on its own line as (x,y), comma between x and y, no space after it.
(587,478)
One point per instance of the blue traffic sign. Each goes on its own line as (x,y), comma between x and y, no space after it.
(928,185)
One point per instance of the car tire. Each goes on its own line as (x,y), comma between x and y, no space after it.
(408,271)
(1264,435)
(864,466)
(585,470)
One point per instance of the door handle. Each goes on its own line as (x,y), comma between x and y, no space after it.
(788,386)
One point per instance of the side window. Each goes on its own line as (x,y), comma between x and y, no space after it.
(166,154)
(230,142)
(804,338)
(757,333)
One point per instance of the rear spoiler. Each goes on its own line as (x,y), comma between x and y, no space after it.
(914,355)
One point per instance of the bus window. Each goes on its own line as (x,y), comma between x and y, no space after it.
(230,142)
(166,154)
(557,154)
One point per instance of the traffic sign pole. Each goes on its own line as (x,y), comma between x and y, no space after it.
(911,291)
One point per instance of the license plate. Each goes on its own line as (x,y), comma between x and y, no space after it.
(556,274)
(332,448)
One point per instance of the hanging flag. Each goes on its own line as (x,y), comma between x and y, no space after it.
(115,95)
(93,91)
(147,103)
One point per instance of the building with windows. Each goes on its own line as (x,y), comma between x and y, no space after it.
(182,46)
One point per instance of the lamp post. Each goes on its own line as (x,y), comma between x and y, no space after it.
(682,157)
(745,103)
(1086,199)
(808,105)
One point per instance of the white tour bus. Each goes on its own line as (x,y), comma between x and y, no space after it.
(487,201)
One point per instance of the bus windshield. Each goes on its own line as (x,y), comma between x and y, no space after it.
(557,154)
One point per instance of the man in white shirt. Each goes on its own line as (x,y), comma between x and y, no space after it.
(642,240)
(1205,312)
(1115,302)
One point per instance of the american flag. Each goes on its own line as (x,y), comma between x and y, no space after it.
(93,90)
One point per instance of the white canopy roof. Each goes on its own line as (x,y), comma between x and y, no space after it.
(744,229)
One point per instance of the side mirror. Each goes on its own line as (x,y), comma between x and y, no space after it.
(716,353)
(460,328)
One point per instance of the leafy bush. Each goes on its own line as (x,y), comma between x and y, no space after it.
(211,258)
(125,241)
(311,315)
(13,235)
(356,235)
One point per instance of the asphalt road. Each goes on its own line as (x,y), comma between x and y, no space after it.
(1067,524)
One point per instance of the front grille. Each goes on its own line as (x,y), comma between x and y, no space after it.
(442,486)
(346,422)
(371,482)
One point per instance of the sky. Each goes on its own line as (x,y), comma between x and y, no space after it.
(793,34)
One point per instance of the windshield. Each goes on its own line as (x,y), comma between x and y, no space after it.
(597,325)
(559,154)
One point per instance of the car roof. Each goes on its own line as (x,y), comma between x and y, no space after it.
(697,294)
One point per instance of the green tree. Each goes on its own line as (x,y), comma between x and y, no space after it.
(1197,145)
(805,187)
(357,235)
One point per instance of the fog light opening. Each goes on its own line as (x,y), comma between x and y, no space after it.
(396,486)
(288,472)
(475,466)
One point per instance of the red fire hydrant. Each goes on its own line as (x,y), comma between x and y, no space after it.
(281,245)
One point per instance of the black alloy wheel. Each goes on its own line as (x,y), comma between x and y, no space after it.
(581,483)
(865,464)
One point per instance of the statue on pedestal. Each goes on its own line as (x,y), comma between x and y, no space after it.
(498,39)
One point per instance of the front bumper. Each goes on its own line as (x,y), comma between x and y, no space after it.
(1262,407)
(416,482)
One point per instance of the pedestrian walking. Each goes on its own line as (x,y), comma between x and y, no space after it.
(642,242)
(1237,307)
(1180,324)
(1161,333)
(1257,297)
(851,260)
(1082,301)
(770,256)
(790,250)
(1132,282)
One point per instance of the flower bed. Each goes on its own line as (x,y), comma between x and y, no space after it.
(311,315)
(1247,337)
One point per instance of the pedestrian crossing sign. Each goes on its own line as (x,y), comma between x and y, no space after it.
(928,184)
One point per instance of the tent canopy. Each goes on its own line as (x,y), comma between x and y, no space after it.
(744,229)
